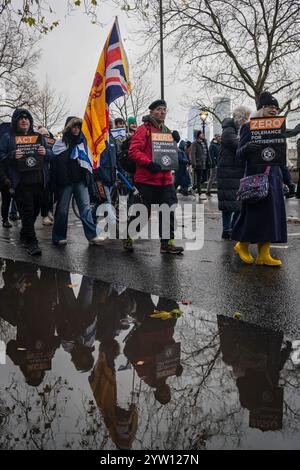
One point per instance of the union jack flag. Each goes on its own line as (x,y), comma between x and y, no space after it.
(116,75)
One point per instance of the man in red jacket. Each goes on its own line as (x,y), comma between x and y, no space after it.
(155,185)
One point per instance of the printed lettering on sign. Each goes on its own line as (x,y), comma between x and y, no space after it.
(270,136)
(26,139)
(268,123)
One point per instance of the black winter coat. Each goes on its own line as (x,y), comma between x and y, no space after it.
(230,169)
(264,221)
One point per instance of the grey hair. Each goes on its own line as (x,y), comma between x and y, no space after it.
(258,113)
(241,111)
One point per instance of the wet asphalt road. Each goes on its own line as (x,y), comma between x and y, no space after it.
(212,278)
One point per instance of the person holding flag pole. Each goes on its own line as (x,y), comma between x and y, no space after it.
(83,143)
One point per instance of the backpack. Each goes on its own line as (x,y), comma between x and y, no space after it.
(124,161)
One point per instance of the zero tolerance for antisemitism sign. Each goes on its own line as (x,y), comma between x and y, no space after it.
(164,151)
(270,134)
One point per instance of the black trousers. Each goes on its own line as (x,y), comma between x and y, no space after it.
(6,198)
(46,202)
(298,185)
(199,179)
(28,199)
(152,194)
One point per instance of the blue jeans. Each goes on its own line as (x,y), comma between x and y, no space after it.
(107,207)
(82,198)
(13,208)
(229,218)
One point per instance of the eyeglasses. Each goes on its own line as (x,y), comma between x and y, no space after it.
(23,116)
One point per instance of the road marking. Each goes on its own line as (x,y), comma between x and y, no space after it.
(285,247)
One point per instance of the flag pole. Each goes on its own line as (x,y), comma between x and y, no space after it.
(125,107)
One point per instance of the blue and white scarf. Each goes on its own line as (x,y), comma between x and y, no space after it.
(80,151)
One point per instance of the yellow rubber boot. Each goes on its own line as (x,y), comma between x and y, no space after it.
(264,257)
(242,248)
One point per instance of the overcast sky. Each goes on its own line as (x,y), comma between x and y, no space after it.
(71,52)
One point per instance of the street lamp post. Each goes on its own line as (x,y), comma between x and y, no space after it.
(162,93)
(203,116)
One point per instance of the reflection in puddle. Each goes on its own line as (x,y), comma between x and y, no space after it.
(92,365)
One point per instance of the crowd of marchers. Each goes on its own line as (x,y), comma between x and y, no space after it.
(43,179)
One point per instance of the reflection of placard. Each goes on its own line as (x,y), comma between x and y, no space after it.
(164,151)
(268,416)
(269,133)
(168,361)
(38,361)
(29,145)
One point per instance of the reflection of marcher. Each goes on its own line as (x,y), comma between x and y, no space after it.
(36,341)
(76,320)
(121,423)
(113,304)
(152,350)
(256,357)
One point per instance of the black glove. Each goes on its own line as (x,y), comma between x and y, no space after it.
(253,148)
(154,167)
(7,183)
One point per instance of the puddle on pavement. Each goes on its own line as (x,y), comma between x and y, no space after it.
(87,367)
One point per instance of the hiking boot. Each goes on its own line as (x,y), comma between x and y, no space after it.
(128,244)
(34,249)
(226,235)
(6,224)
(14,217)
(169,247)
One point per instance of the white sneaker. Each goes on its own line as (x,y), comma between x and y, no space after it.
(50,216)
(61,242)
(47,221)
(97,240)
